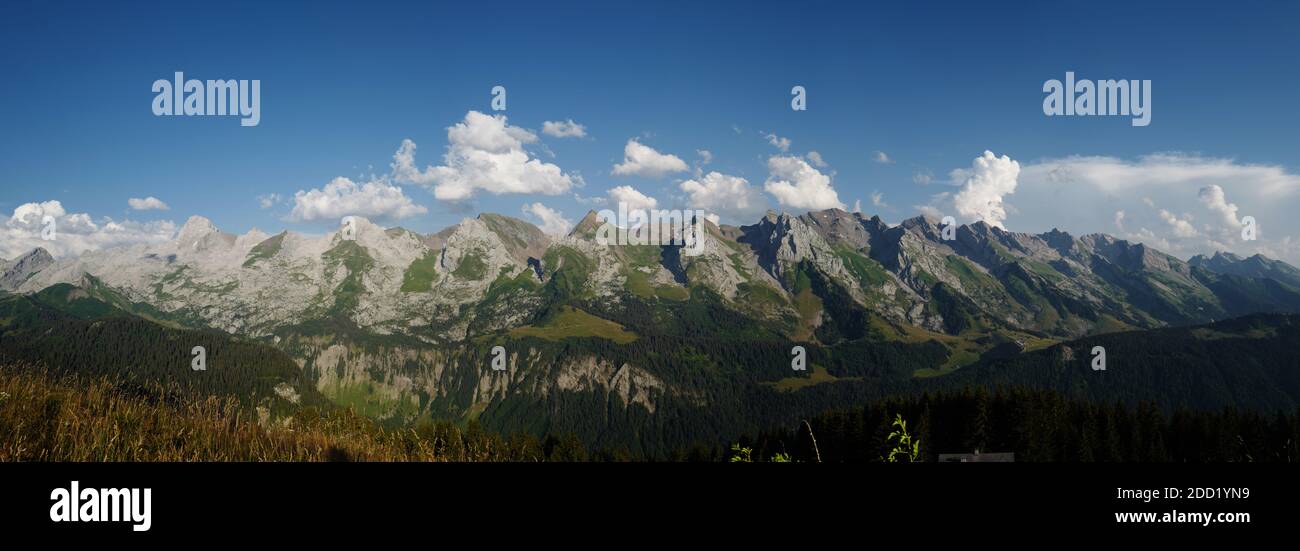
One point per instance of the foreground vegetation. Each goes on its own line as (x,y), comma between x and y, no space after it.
(1037,426)
(45,417)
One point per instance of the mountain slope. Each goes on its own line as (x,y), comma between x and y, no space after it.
(1257,266)
(14,273)
(66,330)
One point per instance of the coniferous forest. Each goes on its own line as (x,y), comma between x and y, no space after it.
(1179,397)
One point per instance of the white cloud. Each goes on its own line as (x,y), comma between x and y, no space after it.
(483,152)
(564,129)
(592,200)
(922,178)
(797,184)
(730,197)
(816,159)
(634,199)
(1182,227)
(643,160)
(882,158)
(878,200)
(1081,194)
(148,203)
(989,179)
(1217,201)
(553,223)
(74,233)
(930,211)
(377,200)
(269,200)
(857,205)
(705,157)
(778,142)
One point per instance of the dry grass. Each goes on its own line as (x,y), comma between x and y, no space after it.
(50,418)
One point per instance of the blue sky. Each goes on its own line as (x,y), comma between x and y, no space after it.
(931,86)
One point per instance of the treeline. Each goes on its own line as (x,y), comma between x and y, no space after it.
(718,390)
(1040,426)
(135,351)
(1249,362)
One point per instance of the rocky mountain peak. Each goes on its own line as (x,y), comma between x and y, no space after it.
(37,257)
(587,226)
(522,239)
(922,226)
(199,234)
(14,273)
(1061,241)
(840,227)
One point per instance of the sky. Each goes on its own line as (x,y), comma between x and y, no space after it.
(385,110)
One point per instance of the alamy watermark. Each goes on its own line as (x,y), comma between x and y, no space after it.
(1098,358)
(199,362)
(214,97)
(652,227)
(499,358)
(1103,97)
(75,504)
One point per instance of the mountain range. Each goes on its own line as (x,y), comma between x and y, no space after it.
(622,342)
(493,273)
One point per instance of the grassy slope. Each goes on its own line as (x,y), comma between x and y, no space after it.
(572,322)
(44,417)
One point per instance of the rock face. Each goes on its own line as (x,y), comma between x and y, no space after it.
(1257,266)
(14,274)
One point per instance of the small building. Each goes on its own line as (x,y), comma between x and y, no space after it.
(977,457)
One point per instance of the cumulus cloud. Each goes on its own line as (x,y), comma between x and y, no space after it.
(731,198)
(643,160)
(930,211)
(878,200)
(989,179)
(922,178)
(778,142)
(797,184)
(1081,194)
(634,199)
(1213,197)
(74,233)
(483,153)
(341,197)
(1181,227)
(148,203)
(816,159)
(882,158)
(552,222)
(564,129)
